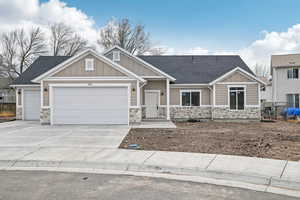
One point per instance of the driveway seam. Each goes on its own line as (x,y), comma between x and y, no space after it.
(284,169)
(148,158)
(27,154)
(212,160)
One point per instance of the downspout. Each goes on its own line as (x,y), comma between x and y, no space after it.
(212,102)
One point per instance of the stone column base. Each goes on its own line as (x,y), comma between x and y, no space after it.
(45,116)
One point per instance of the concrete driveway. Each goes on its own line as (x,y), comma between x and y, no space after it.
(32,134)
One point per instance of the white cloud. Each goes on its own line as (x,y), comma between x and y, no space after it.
(30,13)
(197,51)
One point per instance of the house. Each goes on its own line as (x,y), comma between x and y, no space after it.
(117,87)
(285,77)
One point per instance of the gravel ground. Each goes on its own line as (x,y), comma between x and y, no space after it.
(279,140)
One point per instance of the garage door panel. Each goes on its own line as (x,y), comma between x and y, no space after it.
(32,104)
(90,105)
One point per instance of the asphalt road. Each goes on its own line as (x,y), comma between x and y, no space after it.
(35,185)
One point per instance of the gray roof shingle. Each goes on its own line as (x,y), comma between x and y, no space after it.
(186,69)
(41,65)
(196,69)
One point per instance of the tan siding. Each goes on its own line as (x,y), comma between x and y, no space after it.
(133,85)
(133,65)
(252,96)
(237,77)
(221,94)
(155,85)
(175,95)
(77,69)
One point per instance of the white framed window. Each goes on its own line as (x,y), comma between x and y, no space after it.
(116,55)
(190,97)
(293,100)
(89,64)
(237,98)
(293,73)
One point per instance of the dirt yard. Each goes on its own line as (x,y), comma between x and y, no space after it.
(280,140)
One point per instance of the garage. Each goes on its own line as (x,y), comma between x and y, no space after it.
(90,105)
(32,104)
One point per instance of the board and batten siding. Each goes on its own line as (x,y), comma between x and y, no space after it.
(132,64)
(77,69)
(175,95)
(237,77)
(155,85)
(252,96)
(133,101)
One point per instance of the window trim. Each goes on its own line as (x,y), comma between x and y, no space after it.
(116,58)
(245,96)
(293,68)
(86,64)
(294,99)
(192,90)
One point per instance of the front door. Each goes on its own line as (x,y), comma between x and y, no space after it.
(152,102)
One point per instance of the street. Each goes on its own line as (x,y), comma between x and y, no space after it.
(37,185)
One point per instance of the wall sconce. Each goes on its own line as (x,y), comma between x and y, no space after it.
(133,89)
(19,91)
(162,94)
(45,89)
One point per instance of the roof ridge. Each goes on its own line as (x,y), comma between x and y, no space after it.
(188,55)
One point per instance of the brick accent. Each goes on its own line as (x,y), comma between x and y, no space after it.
(45,116)
(185,113)
(135,115)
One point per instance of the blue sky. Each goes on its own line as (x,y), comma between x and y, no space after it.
(211,24)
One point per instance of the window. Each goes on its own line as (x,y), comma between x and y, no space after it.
(293,101)
(237,98)
(190,98)
(293,73)
(116,55)
(89,64)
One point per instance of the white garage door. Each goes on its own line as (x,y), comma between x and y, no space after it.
(32,104)
(90,105)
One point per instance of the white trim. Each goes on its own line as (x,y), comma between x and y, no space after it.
(45,107)
(17,99)
(259,95)
(51,86)
(154,77)
(25,85)
(42,94)
(234,83)
(245,96)
(151,67)
(234,70)
(214,95)
(138,94)
(22,103)
(191,90)
(120,78)
(79,56)
(168,98)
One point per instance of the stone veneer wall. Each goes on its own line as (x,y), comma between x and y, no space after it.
(19,111)
(45,116)
(135,115)
(185,113)
(250,113)
(162,112)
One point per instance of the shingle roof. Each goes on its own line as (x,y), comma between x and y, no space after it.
(196,69)
(41,65)
(186,69)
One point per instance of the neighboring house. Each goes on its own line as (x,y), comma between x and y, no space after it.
(117,87)
(266,91)
(286,81)
(7,94)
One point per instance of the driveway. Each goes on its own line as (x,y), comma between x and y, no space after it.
(32,134)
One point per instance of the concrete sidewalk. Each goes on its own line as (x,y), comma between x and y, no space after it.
(269,173)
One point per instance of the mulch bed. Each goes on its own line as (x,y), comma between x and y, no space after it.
(279,140)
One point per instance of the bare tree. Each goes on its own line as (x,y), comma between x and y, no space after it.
(64,41)
(121,33)
(20,49)
(157,51)
(261,70)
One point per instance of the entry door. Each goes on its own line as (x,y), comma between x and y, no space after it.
(152,102)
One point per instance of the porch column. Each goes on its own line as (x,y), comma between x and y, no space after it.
(138,94)
(168,99)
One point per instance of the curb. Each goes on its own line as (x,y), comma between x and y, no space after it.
(258,183)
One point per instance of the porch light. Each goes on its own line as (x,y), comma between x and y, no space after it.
(19,91)
(45,89)
(162,94)
(133,89)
